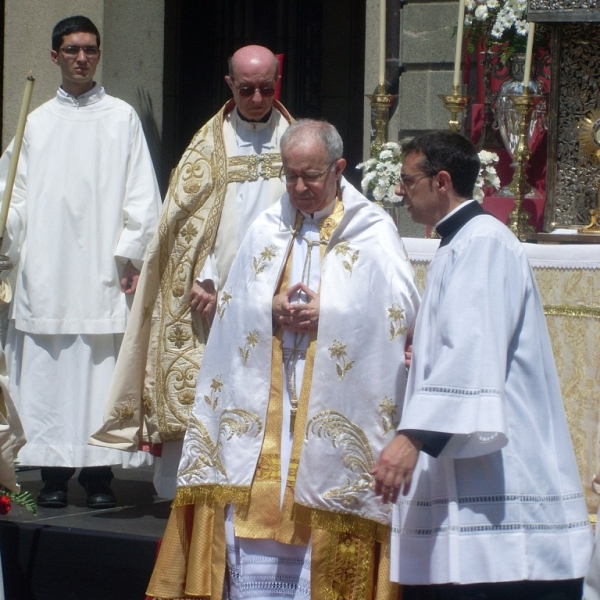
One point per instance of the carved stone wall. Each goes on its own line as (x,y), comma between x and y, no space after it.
(562,5)
(572,178)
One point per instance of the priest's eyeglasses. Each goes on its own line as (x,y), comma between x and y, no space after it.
(409,181)
(73,51)
(246,91)
(291,178)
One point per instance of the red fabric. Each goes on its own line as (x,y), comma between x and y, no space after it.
(536,174)
(154,449)
(279,73)
(501,208)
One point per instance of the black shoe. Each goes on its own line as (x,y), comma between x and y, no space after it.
(53,495)
(99,494)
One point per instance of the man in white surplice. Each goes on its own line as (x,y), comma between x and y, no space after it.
(85,206)
(491,504)
(300,389)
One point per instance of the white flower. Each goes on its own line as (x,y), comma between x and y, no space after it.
(522,28)
(487,174)
(381,174)
(481,12)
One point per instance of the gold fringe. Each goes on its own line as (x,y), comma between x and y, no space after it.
(210,495)
(341,523)
(566,310)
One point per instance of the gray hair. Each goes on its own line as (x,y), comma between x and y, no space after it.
(322,131)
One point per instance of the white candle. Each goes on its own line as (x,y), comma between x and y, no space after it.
(14,158)
(459,42)
(382,42)
(528,56)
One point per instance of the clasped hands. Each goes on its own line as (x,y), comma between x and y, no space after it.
(299,317)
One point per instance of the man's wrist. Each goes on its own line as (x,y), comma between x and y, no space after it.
(432,442)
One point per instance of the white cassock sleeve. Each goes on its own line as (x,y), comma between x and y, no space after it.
(142,198)
(468,329)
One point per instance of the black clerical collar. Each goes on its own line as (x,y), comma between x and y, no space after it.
(263,120)
(452,225)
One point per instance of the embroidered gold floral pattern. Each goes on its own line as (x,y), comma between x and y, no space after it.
(396,316)
(266,256)
(124,412)
(250,167)
(178,336)
(389,415)
(178,290)
(189,232)
(268,468)
(202,453)
(355,449)
(186,397)
(216,385)
(338,350)
(192,175)
(251,342)
(349,256)
(226,296)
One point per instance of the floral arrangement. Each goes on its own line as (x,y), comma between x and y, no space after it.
(497,21)
(22,498)
(382,174)
(488,177)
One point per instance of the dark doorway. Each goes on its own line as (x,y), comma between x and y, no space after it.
(323,72)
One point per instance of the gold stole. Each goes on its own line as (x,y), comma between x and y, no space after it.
(263,518)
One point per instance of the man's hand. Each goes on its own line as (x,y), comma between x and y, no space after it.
(129,278)
(395,466)
(408,352)
(298,317)
(203,299)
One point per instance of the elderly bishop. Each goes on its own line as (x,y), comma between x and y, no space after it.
(300,389)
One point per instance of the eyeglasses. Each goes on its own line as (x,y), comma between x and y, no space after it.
(73,51)
(409,181)
(290,178)
(246,91)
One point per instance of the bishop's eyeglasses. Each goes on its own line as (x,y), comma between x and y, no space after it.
(246,91)
(310,177)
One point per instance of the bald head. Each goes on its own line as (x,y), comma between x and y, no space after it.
(252,79)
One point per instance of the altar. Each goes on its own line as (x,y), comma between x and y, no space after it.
(568,277)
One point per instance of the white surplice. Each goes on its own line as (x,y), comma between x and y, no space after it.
(85,201)
(503,500)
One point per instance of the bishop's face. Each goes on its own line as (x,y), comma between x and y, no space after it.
(253,87)
(311,178)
